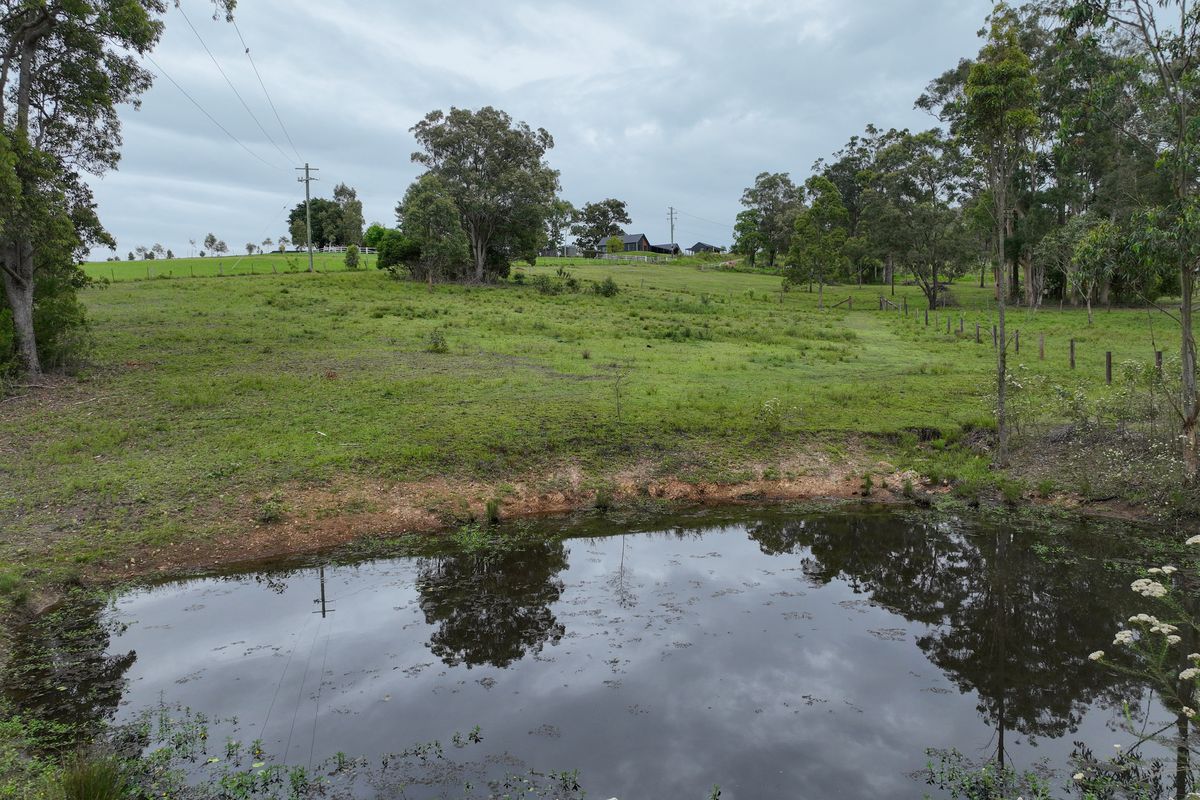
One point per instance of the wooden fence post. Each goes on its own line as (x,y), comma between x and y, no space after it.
(1108,367)
(927,318)
(995,337)
(947,325)
(1041,347)
(849,303)
(961,322)
(1158,362)
(1017,339)
(905,301)
(977,340)
(881,302)
(1072,354)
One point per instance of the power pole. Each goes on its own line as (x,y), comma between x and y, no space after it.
(672,214)
(308,207)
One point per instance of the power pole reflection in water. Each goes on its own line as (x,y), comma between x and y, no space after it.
(325,610)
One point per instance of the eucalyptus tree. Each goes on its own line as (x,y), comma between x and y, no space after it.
(597,222)
(1096,255)
(348,227)
(496,173)
(913,212)
(819,237)
(852,170)
(429,219)
(1158,42)
(65,67)
(561,215)
(999,120)
(777,200)
(747,235)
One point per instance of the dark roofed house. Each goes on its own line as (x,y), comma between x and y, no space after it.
(634,242)
(666,249)
(703,247)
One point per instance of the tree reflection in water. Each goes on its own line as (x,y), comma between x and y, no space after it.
(1010,621)
(492,607)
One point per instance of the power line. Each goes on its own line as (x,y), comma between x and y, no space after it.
(217,64)
(702,219)
(211,118)
(267,94)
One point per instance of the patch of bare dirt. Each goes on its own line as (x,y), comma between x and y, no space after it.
(317,518)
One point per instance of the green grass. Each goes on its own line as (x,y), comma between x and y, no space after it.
(211,267)
(209,390)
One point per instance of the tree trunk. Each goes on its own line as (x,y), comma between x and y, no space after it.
(18,287)
(1190,403)
(1002,338)
(478,254)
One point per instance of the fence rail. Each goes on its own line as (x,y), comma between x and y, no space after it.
(1014,339)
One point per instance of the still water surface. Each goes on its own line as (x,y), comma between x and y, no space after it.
(775,654)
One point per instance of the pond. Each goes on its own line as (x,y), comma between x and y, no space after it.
(773,653)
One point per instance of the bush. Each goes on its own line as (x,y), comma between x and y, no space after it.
(544,284)
(351,259)
(396,251)
(436,343)
(606,288)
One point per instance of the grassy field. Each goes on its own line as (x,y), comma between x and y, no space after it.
(206,391)
(234,264)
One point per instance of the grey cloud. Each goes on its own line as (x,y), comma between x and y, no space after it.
(659,104)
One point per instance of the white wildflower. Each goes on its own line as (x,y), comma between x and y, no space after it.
(1189,712)
(1167,570)
(1078,776)
(1096,656)
(1123,637)
(1193,540)
(1173,639)
(1155,571)
(1148,588)
(1189,674)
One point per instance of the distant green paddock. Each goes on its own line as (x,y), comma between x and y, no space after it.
(260,264)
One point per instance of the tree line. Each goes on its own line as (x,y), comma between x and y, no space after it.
(1063,165)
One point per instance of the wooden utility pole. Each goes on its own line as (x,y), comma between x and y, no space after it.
(306,180)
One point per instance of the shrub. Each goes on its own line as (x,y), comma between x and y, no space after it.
(519,278)
(544,284)
(493,511)
(436,342)
(604,499)
(351,259)
(396,251)
(606,288)
(268,511)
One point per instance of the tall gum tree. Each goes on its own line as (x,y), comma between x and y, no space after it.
(1000,98)
(65,67)
(495,170)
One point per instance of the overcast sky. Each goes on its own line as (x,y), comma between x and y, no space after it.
(657,103)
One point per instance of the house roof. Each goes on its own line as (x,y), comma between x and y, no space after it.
(630,238)
(703,246)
